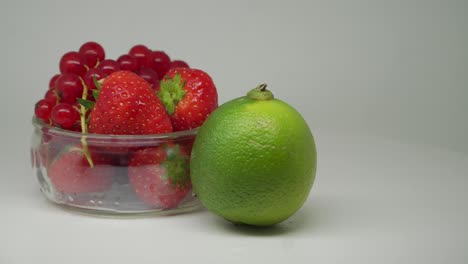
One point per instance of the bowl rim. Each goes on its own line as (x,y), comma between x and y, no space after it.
(39,124)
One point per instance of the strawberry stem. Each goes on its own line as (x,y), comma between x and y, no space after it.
(84,127)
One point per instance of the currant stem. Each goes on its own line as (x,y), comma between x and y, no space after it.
(84,127)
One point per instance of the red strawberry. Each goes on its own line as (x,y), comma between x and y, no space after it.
(160,175)
(189,96)
(52,146)
(70,173)
(127,105)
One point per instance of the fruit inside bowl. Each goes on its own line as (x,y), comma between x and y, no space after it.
(130,173)
(116,136)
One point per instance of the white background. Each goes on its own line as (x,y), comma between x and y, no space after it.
(382,84)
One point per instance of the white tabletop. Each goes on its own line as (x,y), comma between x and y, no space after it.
(374,201)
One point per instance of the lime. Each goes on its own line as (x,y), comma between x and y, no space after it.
(254,160)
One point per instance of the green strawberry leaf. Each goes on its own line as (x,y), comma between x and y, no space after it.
(172,92)
(98,88)
(177,166)
(95,94)
(86,103)
(97,83)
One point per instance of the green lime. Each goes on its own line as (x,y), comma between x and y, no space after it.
(254,160)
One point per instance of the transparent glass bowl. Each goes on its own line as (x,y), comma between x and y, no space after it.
(131,174)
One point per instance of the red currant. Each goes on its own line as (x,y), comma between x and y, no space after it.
(43,109)
(73,62)
(178,64)
(90,75)
(160,62)
(109,66)
(69,87)
(150,76)
(128,62)
(75,127)
(64,115)
(53,80)
(51,96)
(92,53)
(142,54)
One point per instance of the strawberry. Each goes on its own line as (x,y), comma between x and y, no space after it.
(189,96)
(52,146)
(160,175)
(127,105)
(71,173)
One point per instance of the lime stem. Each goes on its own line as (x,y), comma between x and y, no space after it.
(260,93)
(262,87)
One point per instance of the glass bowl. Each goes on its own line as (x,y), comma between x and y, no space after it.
(114,174)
